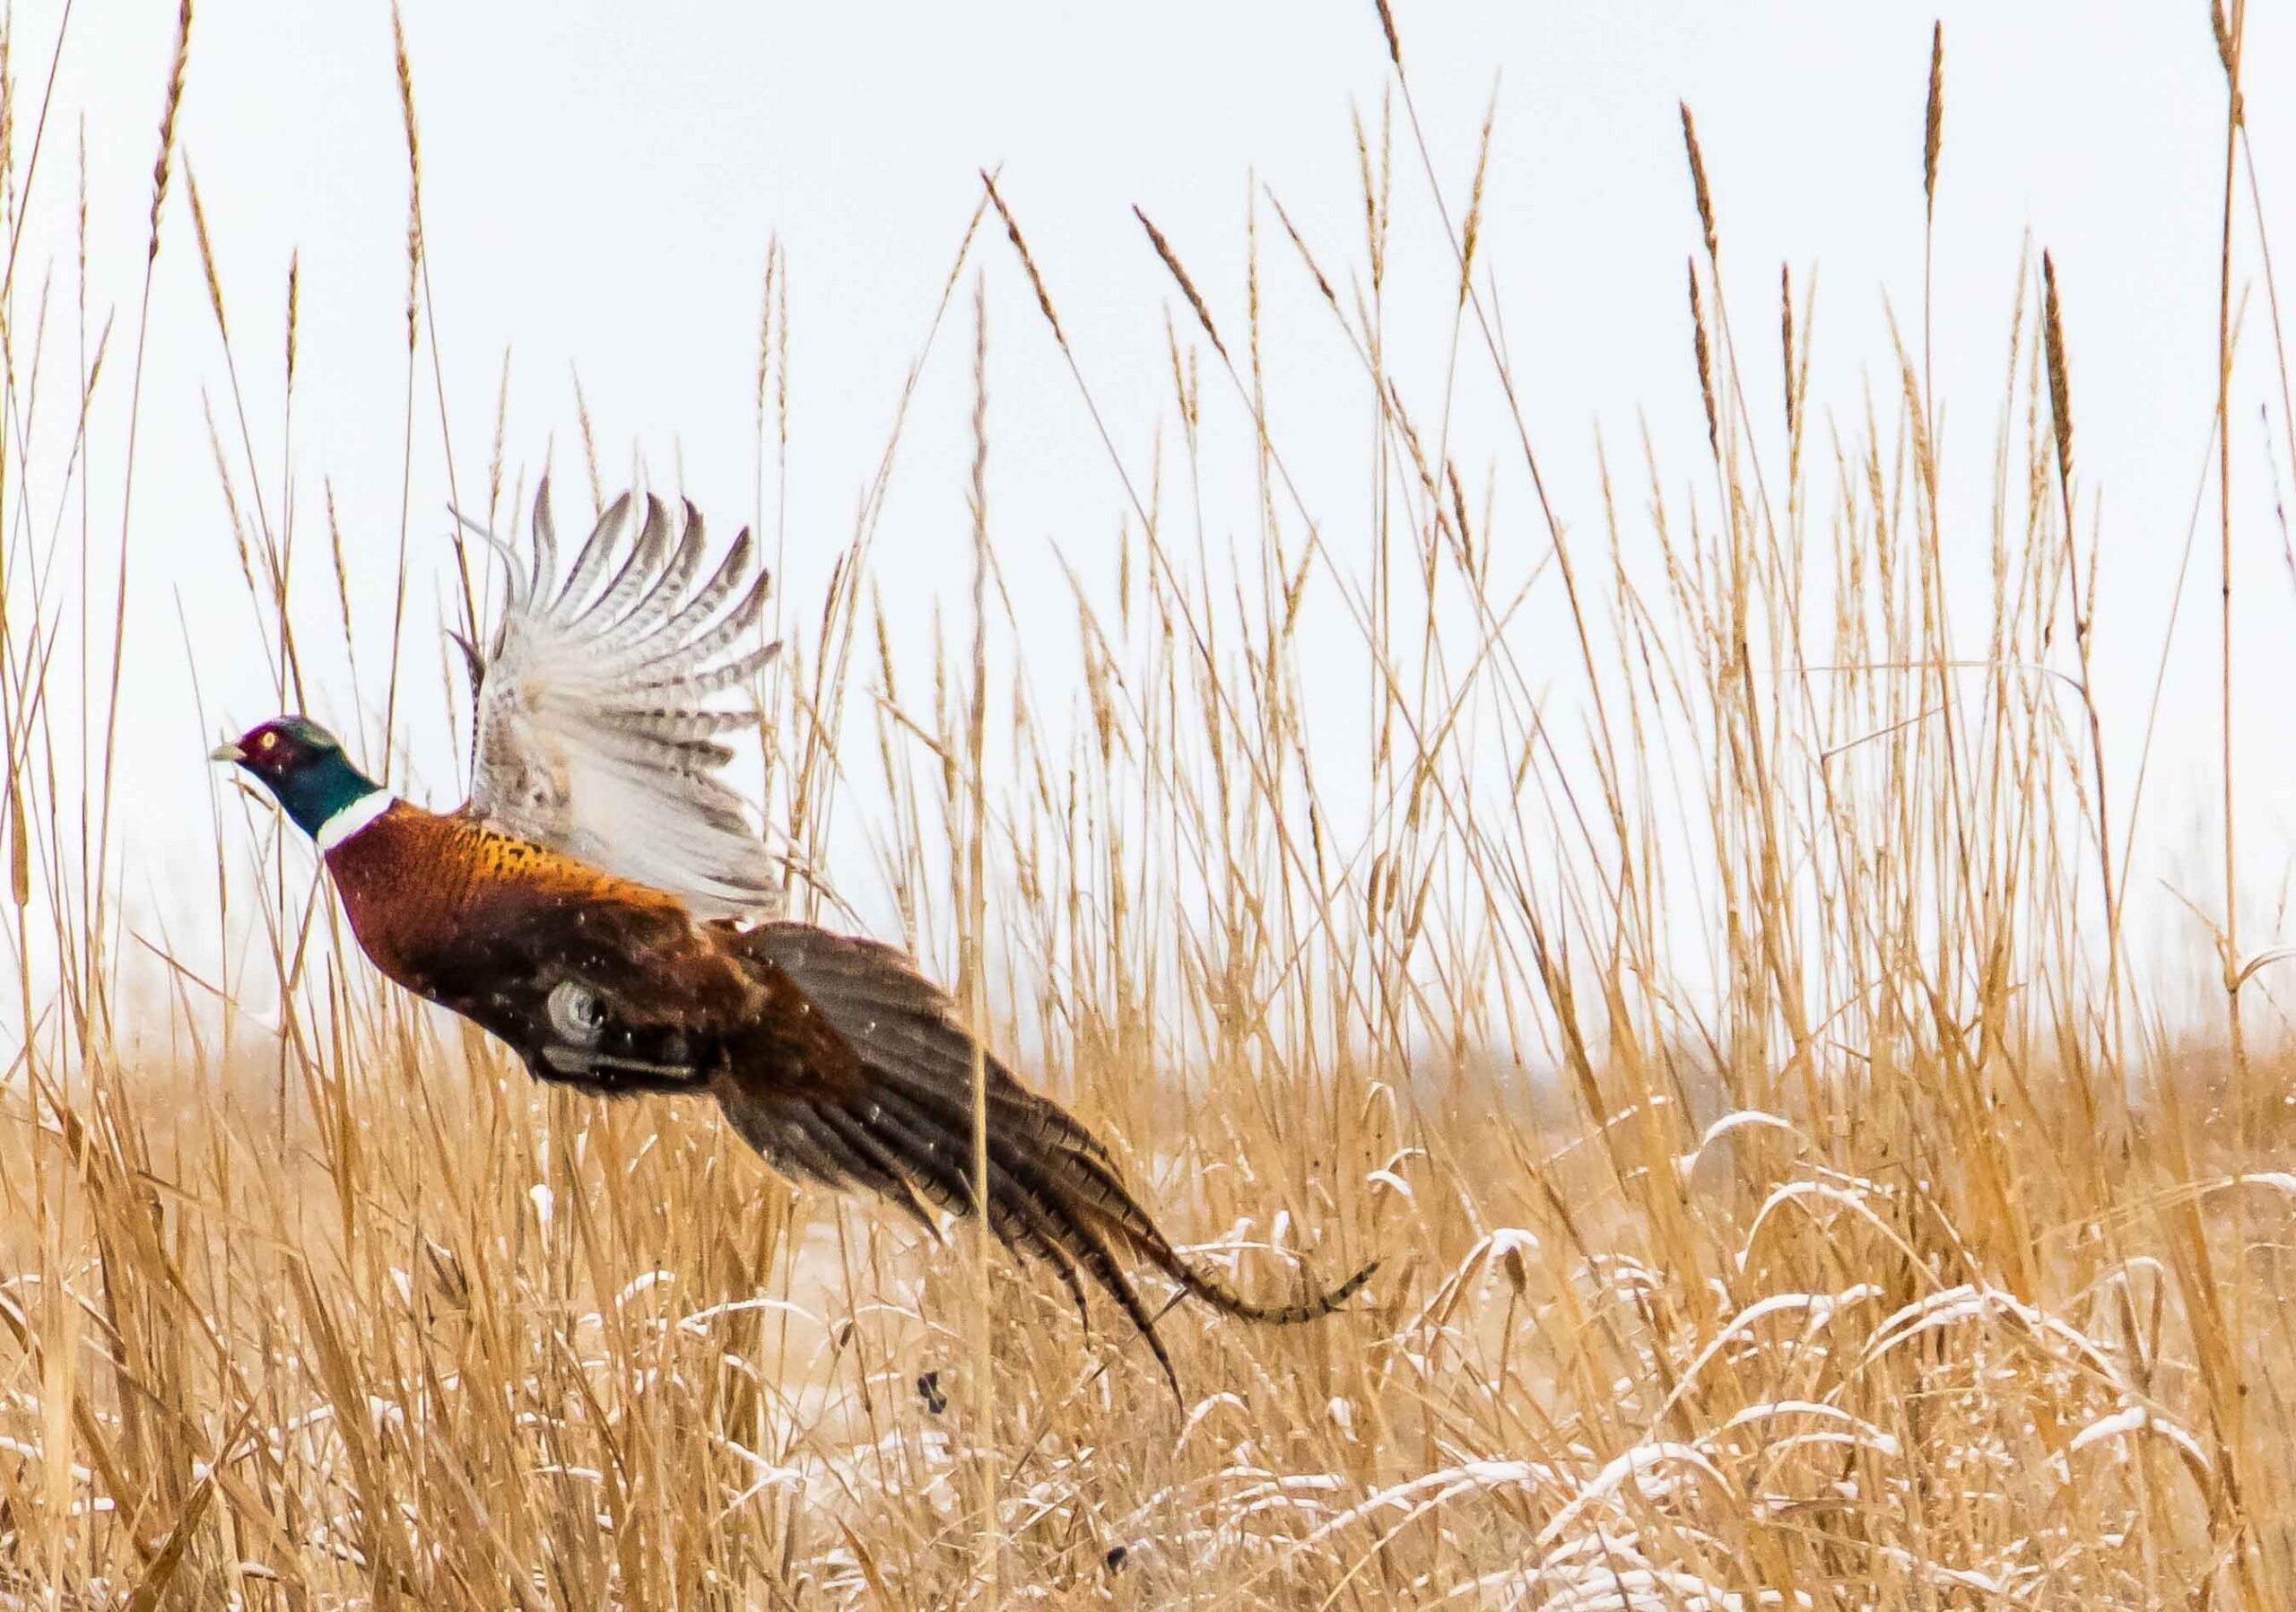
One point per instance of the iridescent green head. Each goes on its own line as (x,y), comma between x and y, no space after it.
(315,783)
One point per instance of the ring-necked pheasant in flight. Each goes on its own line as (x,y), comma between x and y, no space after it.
(601,905)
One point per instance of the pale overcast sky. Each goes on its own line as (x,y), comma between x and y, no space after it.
(601,182)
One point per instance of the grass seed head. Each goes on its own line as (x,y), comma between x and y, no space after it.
(2060,392)
(1698,180)
(1188,286)
(1933,127)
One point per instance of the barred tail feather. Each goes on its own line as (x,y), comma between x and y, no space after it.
(904,1129)
(1225,1299)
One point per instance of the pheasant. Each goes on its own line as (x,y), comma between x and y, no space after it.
(601,905)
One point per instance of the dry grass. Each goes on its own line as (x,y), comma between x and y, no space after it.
(1788,1201)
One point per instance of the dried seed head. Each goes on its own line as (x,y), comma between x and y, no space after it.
(2060,398)
(1028,263)
(206,249)
(1515,1269)
(1474,207)
(781,347)
(1698,178)
(1388,26)
(2228,54)
(589,446)
(1785,336)
(1459,508)
(1188,286)
(8,114)
(176,65)
(501,430)
(1933,129)
(20,854)
(1306,257)
(414,171)
(1705,361)
(294,309)
(765,325)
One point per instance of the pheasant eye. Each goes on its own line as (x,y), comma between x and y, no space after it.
(576,1013)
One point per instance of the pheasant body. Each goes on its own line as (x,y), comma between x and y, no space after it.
(490,926)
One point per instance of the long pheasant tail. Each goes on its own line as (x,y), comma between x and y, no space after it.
(1211,1290)
(1051,1175)
(904,1129)
(1054,1194)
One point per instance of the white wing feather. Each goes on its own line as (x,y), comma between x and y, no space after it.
(598,708)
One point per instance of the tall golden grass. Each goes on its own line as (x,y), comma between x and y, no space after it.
(1789,1198)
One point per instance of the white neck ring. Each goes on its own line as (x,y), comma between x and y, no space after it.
(350,820)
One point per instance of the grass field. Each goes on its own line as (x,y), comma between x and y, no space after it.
(1788,1193)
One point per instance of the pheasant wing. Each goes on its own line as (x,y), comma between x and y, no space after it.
(601,696)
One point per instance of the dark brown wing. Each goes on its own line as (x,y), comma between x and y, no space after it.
(904,1127)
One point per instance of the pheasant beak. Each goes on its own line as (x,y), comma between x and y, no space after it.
(226,752)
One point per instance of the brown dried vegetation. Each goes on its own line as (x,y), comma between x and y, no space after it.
(1787,1199)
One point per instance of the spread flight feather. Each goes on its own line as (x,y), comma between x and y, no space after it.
(599,700)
